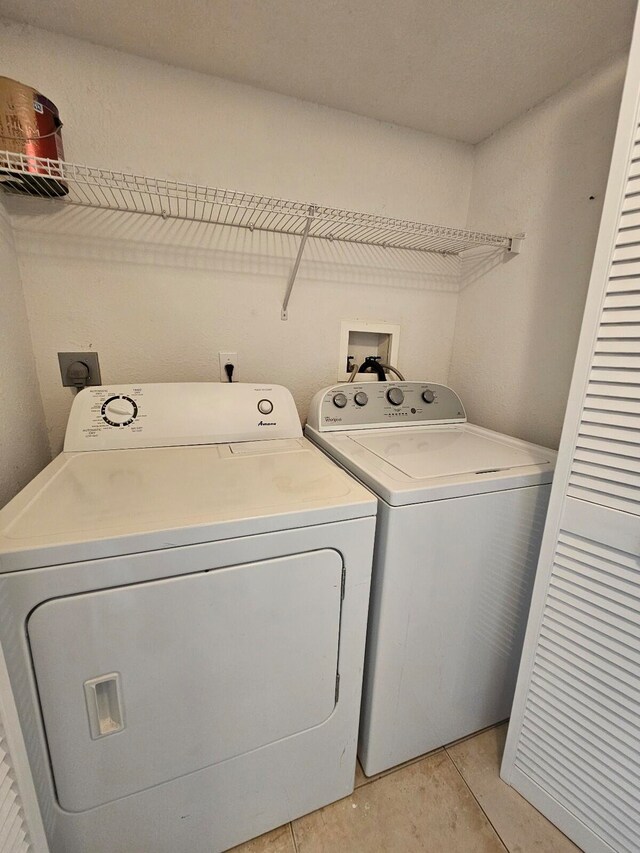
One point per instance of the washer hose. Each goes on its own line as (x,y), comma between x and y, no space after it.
(388,367)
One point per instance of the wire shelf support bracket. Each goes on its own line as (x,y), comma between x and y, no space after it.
(71,183)
(294,272)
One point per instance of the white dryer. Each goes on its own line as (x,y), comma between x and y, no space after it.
(460,519)
(183,606)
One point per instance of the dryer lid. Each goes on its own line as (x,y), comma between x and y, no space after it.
(448,451)
(90,505)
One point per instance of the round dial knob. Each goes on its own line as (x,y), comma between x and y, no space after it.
(428,396)
(395,396)
(265,407)
(340,400)
(119,411)
(361,398)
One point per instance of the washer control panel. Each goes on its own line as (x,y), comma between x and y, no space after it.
(111,417)
(383,404)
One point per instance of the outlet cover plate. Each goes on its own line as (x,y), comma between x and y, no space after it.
(89,358)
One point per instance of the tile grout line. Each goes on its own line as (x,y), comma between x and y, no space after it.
(293,836)
(398,767)
(469,788)
(443,748)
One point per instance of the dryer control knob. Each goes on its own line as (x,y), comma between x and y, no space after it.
(428,396)
(395,396)
(340,400)
(361,398)
(119,411)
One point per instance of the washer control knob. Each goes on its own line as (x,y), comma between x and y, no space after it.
(340,400)
(265,407)
(428,396)
(361,398)
(395,396)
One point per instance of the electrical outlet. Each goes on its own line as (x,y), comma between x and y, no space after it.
(228,358)
(66,359)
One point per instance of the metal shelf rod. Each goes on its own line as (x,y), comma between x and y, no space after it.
(294,272)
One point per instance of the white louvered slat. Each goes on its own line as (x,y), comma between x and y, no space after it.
(616,316)
(631,203)
(607,374)
(620,330)
(626,252)
(580,733)
(603,489)
(595,480)
(612,404)
(605,447)
(606,472)
(603,498)
(628,235)
(621,284)
(634,171)
(620,462)
(619,391)
(13,835)
(627,420)
(629,220)
(625,299)
(610,432)
(617,360)
(630,345)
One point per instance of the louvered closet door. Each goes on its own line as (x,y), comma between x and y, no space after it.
(573,748)
(606,463)
(20,823)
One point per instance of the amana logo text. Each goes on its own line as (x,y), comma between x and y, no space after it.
(266,423)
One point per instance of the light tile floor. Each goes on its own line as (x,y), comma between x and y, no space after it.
(450,801)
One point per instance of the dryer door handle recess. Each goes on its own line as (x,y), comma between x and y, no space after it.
(104,706)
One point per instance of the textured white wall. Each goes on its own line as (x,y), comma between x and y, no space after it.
(519,317)
(24,448)
(158,300)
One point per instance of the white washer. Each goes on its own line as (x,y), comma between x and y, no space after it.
(183,606)
(460,518)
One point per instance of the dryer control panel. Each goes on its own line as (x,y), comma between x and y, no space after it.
(367,405)
(119,417)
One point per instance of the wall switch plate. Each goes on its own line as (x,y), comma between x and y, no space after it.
(228,358)
(65,359)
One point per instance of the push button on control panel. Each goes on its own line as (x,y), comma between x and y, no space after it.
(265,407)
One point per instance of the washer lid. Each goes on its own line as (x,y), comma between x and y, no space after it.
(410,465)
(448,451)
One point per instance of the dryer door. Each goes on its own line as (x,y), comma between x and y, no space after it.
(145,683)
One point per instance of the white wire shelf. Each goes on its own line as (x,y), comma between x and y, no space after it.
(103,188)
(72,183)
